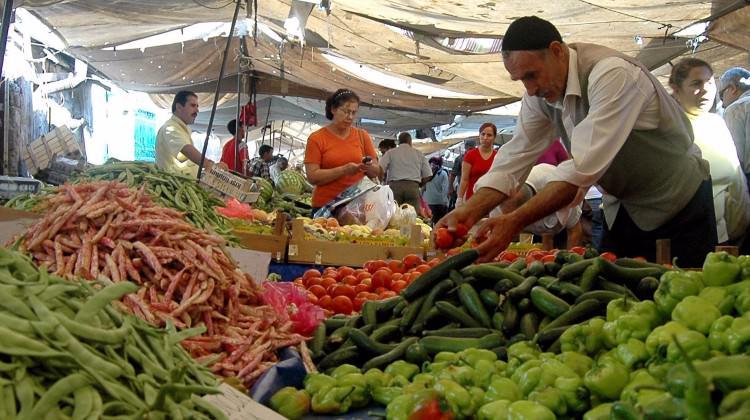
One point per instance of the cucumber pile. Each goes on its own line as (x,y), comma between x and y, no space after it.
(457,306)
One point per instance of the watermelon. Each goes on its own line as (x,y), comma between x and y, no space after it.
(291,182)
(266,188)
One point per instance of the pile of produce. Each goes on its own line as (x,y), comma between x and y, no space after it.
(67,353)
(329,229)
(344,290)
(290,195)
(185,277)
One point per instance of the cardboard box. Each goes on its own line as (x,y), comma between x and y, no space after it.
(238,406)
(229,184)
(311,251)
(275,243)
(40,153)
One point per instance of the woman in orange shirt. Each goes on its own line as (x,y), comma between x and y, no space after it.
(336,156)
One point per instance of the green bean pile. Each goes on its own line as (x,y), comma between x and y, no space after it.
(65,352)
(170,190)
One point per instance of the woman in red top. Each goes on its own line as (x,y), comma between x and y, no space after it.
(477,161)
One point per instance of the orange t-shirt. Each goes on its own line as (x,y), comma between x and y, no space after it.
(331,151)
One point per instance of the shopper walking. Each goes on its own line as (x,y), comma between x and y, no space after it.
(477,162)
(405,169)
(734,90)
(436,189)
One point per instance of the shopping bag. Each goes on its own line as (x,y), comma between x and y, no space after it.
(349,194)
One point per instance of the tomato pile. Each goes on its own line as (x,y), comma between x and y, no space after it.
(343,290)
(445,239)
(536,254)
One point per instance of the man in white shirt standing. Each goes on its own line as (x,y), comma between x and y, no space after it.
(174,146)
(626,135)
(734,90)
(277,168)
(405,169)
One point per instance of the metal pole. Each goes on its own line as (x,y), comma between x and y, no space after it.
(7,10)
(239,107)
(218,89)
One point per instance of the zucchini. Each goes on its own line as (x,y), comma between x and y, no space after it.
(551,268)
(522,290)
(566,290)
(492,273)
(615,287)
(547,303)
(470,300)
(603,296)
(385,359)
(435,344)
(545,337)
(588,277)
(411,312)
(364,342)
(340,335)
(429,302)
(579,312)
(456,314)
(428,279)
(416,354)
(372,308)
(625,275)
(517,265)
(546,281)
(398,309)
(510,317)
(455,276)
(536,268)
(338,357)
(573,270)
(336,321)
(503,286)
(489,298)
(459,332)
(529,325)
(384,332)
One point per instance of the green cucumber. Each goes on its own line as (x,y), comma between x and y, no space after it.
(603,296)
(536,268)
(546,281)
(510,317)
(338,357)
(459,332)
(517,265)
(435,344)
(364,342)
(456,314)
(579,312)
(529,324)
(616,287)
(411,312)
(470,300)
(565,290)
(547,303)
(318,341)
(497,321)
(503,286)
(588,277)
(492,274)
(625,275)
(572,270)
(522,290)
(428,279)
(385,359)
(646,287)
(524,305)
(384,332)
(634,263)
(546,336)
(489,298)
(429,302)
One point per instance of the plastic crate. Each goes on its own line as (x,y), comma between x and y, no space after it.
(12,186)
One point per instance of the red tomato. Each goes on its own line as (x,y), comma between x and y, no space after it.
(578,250)
(313,281)
(328,282)
(548,258)
(358,302)
(312,298)
(387,294)
(372,296)
(423,268)
(298,281)
(344,271)
(342,305)
(379,290)
(311,273)
(363,275)
(361,288)
(380,277)
(325,301)
(609,256)
(374,265)
(461,231)
(452,251)
(532,256)
(433,262)
(396,266)
(398,285)
(509,256)
(443,238)
(412,260)
(344,290)
(367,282)
(350,280)
(317,290)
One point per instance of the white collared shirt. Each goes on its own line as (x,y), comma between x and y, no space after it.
(621,98)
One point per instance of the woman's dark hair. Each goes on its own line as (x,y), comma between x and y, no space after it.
(232,126)
(264,149)
(339,98)
(681,70)
(387,144)
(181,98)
(489,124)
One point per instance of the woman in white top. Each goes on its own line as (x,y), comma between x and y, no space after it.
(693,87)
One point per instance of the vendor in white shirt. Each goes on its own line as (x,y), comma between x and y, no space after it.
(625,134)
(564,219)
(277,168)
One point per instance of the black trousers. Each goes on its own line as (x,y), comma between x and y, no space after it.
(438,211)
(692,232)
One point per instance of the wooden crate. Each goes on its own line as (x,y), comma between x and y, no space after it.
(312,251)
(40,153)
(229,184)
(275,243)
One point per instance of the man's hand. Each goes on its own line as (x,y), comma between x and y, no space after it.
(222,165)
(499,232)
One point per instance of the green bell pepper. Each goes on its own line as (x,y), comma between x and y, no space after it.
(502,389)
(586,338)
(385,394)
(641,388)
(578,362)
(744,263)
(529,410)
(472,356)
(477,398)
(717,335)
(332,400)
(695,345)
(501,367)
(735,401)
(402,368)
(483,371)
(738,336)
(344,369)
(523,350)
(619,307)
(606,380)
(314,382)
(675,286)
(360,396)
(658,367)
(742,302)
(446,356)
(720,298)
(290,402)
(663,406)
(600,412)
(551,398)
(424,377)
(464,375)
(659,339)
(402,406)
(376,378)
(624,328)
(696,313)
(459,399)
(720,269)
(631,353)
(495,410)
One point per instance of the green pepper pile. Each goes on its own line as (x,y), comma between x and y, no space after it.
(66,352)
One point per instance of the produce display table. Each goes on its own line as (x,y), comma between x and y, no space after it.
(276,243)
(312,251)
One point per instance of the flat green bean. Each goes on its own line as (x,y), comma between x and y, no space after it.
(104,297)
(79,329)
(56,392)
(83,402)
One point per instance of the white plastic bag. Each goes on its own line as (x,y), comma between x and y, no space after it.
(378,207)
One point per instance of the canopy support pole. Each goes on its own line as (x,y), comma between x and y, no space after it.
(237,121)
(218,88)
(7,10)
